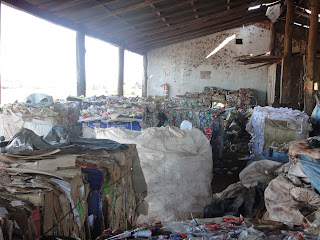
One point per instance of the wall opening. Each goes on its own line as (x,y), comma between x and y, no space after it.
(101,67)
(37,57)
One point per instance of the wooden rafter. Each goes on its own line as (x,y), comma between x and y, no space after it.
(142,14)
(200,33)
(120,10)
(157,25)
(57,3)
(196,23)
(159,14)
(71,11)
(194,9)
(202,29)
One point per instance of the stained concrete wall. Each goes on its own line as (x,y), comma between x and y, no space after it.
(180,65)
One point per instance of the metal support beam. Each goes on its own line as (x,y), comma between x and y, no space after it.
(81,72)
(121,71)
(145,76)
(311,57)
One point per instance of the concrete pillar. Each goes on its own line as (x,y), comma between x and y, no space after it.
(145,76)
(81,65)
(121,71)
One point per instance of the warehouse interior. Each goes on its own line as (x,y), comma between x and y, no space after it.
(219,138)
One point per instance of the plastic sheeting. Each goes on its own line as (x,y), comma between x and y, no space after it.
(177,166)
(25,141)
(296,121)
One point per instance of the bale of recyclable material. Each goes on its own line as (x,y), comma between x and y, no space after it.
(177,166)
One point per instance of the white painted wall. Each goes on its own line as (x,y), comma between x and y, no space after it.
(185,60)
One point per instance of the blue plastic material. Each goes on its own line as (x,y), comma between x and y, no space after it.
(270,154)
(312,169)
(94,178)
(316,124)
(95,208)
(125,125)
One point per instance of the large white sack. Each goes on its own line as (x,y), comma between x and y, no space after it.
(262,171)
(177,166)
(10,124)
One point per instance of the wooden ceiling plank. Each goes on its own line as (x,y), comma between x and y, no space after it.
(153,26)
(162,37)
(119,10)
(144,13)
(234,11)
(159,14)
(194,24)
(72,11)
(194,9)
(201,33)
(56,3)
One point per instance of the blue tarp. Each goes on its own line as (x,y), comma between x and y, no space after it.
(270,154)
(312,169)
(95,179)
(95,208)
(120,124)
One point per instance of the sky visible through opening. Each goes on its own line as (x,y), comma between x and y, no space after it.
(40,57)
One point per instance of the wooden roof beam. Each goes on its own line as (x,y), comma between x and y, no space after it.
(154,26)
(118,11)
(220,21)
(203,30)
(194,24)
(159,14)
(146,48)
(194,9)
(73,11)
(163,8)
(200,33)
(53,4)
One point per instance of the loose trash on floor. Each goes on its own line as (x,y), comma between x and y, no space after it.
(115,167)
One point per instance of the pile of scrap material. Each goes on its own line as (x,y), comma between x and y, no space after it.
(272,190)
(177,166)
(240,98)
(39,116)
(228,227)
(71,187)
(293,196)
(268,124)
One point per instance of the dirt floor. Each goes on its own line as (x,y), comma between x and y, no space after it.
(226,171)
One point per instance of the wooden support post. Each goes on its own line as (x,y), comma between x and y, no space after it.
(145,76)
(121,71)
(0,57)
(81,66)
(272,38)
(286,78)
(311,57)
